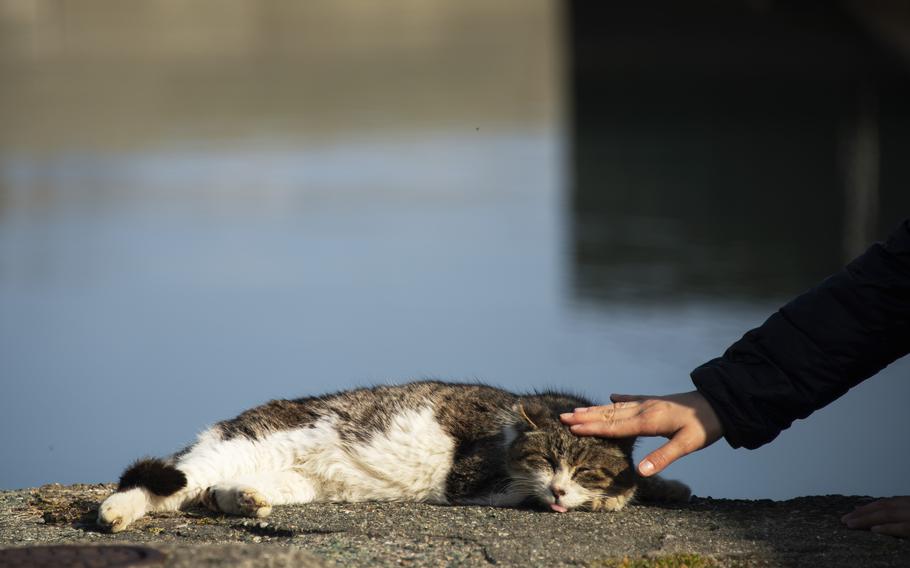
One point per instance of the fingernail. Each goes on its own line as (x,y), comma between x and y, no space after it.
(581,410)
(574,427)
(566,415)
(646,467)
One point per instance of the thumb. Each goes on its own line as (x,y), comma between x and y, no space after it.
(659,459)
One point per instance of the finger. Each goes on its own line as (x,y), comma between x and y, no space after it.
(890,502)
(609,407)
(877,517)
(659,459)
(611,429)
(901,530)
(899,508)
(601,414)
(628,397)
(626,404)
(866,509)
(590,408)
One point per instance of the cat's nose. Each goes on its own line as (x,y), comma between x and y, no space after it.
(557,491)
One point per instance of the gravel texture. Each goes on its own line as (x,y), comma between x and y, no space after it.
(799,532)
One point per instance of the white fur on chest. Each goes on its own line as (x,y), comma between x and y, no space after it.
(410,460)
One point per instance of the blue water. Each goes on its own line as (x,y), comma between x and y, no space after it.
(204,209)
(145,295)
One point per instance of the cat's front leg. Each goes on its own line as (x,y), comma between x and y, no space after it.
(495,499)
(657,488)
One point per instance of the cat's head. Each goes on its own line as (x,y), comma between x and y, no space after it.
(562,471)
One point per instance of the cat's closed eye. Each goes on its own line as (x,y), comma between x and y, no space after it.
(541,460)
(591,473)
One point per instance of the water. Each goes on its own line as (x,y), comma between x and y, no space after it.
(184,238)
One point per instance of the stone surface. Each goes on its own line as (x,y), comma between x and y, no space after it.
(804,531)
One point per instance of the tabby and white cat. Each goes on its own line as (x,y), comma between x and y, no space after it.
(425,441)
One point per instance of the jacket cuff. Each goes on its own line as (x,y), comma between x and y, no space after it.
(710,386)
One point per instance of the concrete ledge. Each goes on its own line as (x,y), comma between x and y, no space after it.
(804,532)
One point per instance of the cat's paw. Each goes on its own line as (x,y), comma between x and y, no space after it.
(236,500)
(676,491)
(656,488)
(118,511)
(252,503)
(611,502)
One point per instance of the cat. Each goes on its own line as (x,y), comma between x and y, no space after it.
(426,441)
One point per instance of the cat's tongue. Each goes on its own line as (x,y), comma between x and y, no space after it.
(558,508)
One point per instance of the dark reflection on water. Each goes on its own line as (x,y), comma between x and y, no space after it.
(682,197)
(728,165)
(219,210)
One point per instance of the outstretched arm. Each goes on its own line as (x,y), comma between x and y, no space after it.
(815,348)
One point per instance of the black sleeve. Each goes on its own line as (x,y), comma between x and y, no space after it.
(815,348)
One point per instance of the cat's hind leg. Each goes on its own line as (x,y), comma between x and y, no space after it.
(122,508)
(236,499)
(254,495)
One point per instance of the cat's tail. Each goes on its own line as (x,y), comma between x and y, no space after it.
(156,475)
(656,488)
(141,483)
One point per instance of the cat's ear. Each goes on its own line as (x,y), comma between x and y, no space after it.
(525,417)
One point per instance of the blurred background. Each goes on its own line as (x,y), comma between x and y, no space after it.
(206,204)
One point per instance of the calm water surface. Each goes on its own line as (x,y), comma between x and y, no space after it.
(137,310)
(153,284)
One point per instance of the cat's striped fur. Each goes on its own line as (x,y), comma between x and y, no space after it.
(425,441)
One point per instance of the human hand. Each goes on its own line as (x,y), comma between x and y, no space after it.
(886,516)
(687,419)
